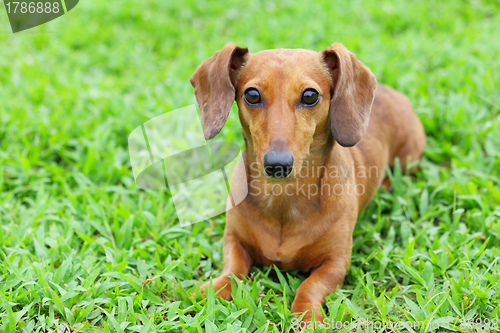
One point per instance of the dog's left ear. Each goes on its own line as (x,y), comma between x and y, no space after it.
(214,83)
(353,87)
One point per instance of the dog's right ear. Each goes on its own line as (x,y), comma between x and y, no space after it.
(214,83)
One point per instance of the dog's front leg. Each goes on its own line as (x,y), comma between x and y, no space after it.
(237,261)
(323,281)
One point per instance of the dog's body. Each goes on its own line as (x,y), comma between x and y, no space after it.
(305,219)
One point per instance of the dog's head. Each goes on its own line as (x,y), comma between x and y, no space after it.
(290,101)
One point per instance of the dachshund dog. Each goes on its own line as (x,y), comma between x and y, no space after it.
(319,136)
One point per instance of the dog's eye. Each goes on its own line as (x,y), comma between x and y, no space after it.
(310,97)
(252,96)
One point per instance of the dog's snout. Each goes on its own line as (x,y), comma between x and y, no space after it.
(278,164)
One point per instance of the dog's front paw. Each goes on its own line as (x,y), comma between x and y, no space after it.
(222,287)
(307,321)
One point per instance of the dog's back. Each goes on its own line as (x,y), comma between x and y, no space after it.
(394,131)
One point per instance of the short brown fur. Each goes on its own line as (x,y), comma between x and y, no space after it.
(355,126)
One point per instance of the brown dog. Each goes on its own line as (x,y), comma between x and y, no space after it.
(313,157)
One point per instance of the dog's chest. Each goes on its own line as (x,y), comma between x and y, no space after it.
(283,251)
(282,241)
(282,256)
(277,254)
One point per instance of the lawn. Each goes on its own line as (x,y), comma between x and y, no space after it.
(83,249)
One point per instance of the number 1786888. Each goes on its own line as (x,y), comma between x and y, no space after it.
(32,7)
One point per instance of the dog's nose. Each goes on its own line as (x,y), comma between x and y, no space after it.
(278,164)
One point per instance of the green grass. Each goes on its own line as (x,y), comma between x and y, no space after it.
(83,249)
